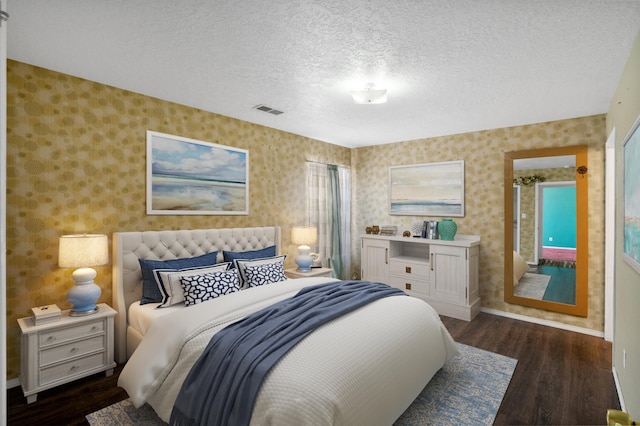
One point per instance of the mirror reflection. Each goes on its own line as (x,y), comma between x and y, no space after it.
(545,227)
(545,237)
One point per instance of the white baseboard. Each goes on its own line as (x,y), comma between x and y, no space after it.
(13,383)
(544,322)
(618,389)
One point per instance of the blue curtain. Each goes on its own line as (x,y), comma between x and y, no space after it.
(334,207)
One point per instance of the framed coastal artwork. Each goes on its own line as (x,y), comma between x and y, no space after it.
(430,189)
(631,147)
(191,177)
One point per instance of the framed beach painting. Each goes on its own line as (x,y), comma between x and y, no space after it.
(430,189)
(631,147)
(191,177)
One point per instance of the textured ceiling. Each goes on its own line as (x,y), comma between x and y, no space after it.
(449,66)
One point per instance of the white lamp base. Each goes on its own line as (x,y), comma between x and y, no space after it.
(84,295)
(304,260)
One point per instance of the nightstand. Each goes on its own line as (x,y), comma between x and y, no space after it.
(314,272)
(62,351)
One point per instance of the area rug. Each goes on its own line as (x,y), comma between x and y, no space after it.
(468,390)
(532,286)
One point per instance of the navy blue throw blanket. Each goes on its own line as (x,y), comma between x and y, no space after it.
(223,384)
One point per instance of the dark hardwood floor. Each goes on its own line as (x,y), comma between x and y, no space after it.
(562,378)
(67,404)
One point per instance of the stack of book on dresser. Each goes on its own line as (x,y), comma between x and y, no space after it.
(389,230)
(46,314)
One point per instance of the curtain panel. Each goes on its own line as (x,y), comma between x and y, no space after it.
(329,200)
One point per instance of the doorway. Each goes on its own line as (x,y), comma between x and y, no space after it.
(557,228)
(556,235)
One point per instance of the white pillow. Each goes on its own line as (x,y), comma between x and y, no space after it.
(260,270)
(520,266)
(169,281)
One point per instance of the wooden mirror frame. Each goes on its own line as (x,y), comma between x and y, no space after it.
(582,231)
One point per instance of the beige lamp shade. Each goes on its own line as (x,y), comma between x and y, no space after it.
(83,250)
(304,235)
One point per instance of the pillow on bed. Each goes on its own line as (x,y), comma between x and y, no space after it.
(520,266)
(150,292)
(199,288)
(262,270)
(169,284)
(264,274)
(230,256)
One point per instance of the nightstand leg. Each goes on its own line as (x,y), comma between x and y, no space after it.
(32,398)
(109,372)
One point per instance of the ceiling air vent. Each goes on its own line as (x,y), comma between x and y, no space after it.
(267,109)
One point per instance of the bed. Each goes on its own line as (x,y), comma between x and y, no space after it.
(364,367)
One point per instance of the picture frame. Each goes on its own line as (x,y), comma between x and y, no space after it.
(427,189)
(191,177)
(631,192)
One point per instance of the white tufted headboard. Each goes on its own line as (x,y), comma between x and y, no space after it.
(128,247)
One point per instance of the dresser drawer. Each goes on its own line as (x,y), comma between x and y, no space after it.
(68,369)
(73,349)
(410,285)
(408,268)
(62,335)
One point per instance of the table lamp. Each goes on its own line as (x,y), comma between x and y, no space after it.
(83,251)
(304,236)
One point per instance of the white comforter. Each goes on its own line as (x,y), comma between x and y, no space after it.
(364,368)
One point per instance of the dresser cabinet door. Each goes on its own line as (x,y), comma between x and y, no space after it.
(449,274)
(375,260)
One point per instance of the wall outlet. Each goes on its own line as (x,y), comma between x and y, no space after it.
(550,238)
(624,359)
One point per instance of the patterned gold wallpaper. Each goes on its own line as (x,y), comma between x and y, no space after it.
(77,160)
(484,195)
(76,163)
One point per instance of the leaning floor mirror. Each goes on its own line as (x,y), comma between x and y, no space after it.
(546,229)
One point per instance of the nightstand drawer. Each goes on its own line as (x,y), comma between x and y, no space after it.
(74,349)
(64,334)
(71,368)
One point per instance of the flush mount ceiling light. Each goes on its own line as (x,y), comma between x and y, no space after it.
(370,95)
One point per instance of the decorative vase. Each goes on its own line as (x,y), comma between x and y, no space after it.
(447,229)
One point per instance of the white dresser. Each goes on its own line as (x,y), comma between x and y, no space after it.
(65,350)
(443,273)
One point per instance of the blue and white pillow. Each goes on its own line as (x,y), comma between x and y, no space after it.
(200,288)
(267,273)
(230,256)
(169,281)
(150,291)
(274,272)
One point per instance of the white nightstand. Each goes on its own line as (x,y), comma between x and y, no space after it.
(62,351)
(314,272)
